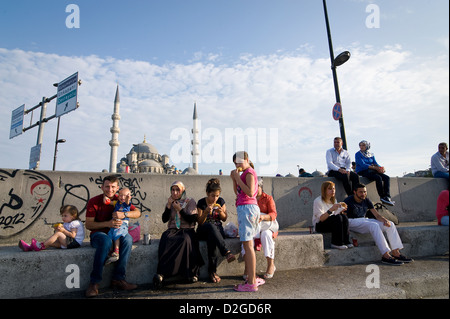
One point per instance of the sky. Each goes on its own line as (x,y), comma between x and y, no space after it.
(257,70)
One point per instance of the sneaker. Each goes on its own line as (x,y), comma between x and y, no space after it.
(403,258)
(246,288)
(341,247)
(387,200)
(24,246)
(349,246)
(391,261)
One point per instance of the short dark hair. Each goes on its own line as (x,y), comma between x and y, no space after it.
(359,185)
(111,179)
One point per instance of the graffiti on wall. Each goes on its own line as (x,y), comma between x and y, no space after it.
(134,185)
(28,196)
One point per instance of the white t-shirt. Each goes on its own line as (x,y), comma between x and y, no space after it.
(319,208)
(80,229)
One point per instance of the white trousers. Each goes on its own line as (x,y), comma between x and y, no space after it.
(267,243)
(376,229)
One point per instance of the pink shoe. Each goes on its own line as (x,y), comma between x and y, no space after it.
(246,288)
(24,246)
(259,281)
(36,246)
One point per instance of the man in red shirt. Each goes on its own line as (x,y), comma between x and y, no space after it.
(100,217)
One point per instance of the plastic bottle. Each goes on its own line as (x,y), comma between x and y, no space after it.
(146,229)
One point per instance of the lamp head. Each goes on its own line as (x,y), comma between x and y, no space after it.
(341,58)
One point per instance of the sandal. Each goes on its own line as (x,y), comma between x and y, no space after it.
(269,276)
(246,288)
(230,257)
(193,279)
(258,281)
(214,277)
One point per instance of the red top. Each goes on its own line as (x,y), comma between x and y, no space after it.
(100,211)
(267,206)
(442,205)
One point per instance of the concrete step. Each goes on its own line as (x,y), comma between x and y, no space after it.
(53,271)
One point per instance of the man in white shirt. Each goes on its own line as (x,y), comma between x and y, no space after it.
(339,166)
(439,162)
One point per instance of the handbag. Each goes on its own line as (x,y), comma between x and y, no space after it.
(269,224)
(135,232)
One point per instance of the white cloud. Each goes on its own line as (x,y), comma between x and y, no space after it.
(390,97)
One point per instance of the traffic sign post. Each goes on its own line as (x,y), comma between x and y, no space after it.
(337,111)
(66,102)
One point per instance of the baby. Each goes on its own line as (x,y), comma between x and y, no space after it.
(122,205)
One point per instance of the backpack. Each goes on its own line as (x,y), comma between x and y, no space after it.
(385,212)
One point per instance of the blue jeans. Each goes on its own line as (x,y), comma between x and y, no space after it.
(440,174)
(444,220)
(102,244)
(382,181)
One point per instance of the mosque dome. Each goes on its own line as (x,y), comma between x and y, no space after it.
(317,173)
(189,171)
(144,147)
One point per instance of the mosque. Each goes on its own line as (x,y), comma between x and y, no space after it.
(144,157)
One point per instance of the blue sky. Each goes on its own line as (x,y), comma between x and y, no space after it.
(269,58)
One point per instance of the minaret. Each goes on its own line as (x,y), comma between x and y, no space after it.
(195,141)
(114,143)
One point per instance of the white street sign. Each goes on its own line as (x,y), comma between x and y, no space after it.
(35,156)
(17,121)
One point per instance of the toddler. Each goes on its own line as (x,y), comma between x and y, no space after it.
(68,235)
(122,205)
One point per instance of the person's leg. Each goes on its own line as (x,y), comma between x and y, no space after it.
(102,244)
(250,261)
(269,250)
(344,178)
(364,226)
(354,178)
(444,220)
(441,175)
(58,239)
(126,243)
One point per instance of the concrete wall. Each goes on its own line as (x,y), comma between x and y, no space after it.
(30,200)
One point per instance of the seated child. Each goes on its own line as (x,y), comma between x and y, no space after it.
(122,205)
(68,235)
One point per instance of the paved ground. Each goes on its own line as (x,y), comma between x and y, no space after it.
(423,278)
(307,292)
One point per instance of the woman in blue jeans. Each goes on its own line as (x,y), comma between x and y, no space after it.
(367,166)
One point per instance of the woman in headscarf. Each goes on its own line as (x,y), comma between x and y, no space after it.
(178,252)
(367,166)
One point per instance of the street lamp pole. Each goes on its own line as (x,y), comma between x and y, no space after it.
(341,59)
